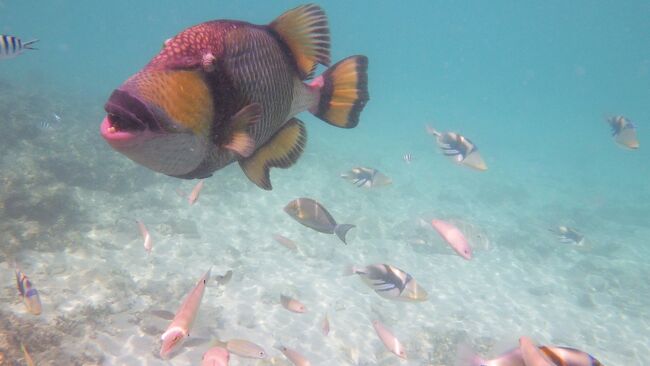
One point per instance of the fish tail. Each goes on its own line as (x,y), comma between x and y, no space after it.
(350,270)
(28,45)
(343,92)
(342,230)
(465,356)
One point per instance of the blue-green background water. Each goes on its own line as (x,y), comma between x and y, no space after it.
(529,83)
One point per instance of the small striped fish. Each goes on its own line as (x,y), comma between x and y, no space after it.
(408,158)
(11,46)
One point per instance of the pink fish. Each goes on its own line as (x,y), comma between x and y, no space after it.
(325,325)
(454,237)
(194,195)
(389,340)
(531,354)
(561,356)
(180,327)
(292,305)
(216,356)
(148,245)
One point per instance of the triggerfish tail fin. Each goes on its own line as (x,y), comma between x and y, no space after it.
(465,356)
(343,92)
(241,141)
(305,32)
(281,151)
(341,230)
(29,45)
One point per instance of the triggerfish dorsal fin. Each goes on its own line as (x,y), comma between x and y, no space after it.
(281,151)
(240,141)
(306,33)
(343,90)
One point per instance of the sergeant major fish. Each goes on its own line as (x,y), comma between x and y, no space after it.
(28,293)
(11,46)
(624,132)
(389,282)
(225,91)
(458,148)
(313,215)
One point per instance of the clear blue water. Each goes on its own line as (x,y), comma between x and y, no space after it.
(530,84)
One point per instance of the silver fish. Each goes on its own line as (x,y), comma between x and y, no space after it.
(390,282)
(624,132)
(459,149)
(11,46)
(313,215)
(366,177)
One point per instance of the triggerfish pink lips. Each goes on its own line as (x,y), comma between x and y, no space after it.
(128,117)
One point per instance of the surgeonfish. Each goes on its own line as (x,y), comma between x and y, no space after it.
(624,132)
(294,356)
(390,341)
(215,356)
(454,237)
(292,304)
(28,293)
(148,245)
(286,242)
(458,148)
(313,215)
(11,46)
(228,91)
(243,348)
(196,191)
(179,329)
(560,356)
(531,354)
(366,177)
(389,282)
(569,235)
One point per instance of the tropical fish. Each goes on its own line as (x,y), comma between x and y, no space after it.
(560,356)
(325,325)
(389,282)
(531,354)
(569,235)
(286,242)
(366,177)
(28,293)
(458,148)
(454,237)
(390,341)
(243,348)
(215,356)
(624,132)
(148,245)
(408,158)
(224,278)
(28,358)
(11,46)
(225,91)
(51,123)
(294,356)
(179,329)
(196,191)
(292,305)
(313,215)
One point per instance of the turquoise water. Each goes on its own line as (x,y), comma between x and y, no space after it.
(530,84)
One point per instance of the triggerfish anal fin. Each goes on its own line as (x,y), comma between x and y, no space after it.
(305,32)
(343,92)
(281,151)
(240,141)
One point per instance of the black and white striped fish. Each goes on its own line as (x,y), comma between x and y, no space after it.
(408,158)
(458,148)
(624,132)
(11,46)
(389,282)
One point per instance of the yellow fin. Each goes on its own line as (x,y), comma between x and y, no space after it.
(240,141)
(343,92)
(305,31)
(281,151)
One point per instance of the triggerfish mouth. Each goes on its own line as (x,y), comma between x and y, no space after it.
(225,91)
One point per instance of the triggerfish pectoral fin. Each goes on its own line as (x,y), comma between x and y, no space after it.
(281,151)
(241,141)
